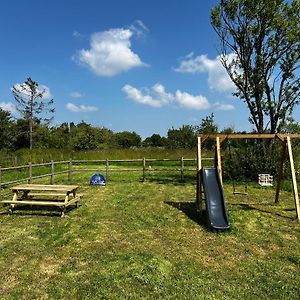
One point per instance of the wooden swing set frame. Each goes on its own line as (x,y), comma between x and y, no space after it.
(219,138)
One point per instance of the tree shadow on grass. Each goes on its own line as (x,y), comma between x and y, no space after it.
(189,208)
(249,207)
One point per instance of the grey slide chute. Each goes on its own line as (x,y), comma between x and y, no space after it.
(215,204)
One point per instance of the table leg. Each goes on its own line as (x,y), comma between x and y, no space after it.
(63,212)
(15,198)
(74,196)
(67,198)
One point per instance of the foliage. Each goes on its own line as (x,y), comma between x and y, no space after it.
(6,130)
(208,126)
(260,50)
(31,103)
(126,139)
(183,137)
(243,159)
(155,140)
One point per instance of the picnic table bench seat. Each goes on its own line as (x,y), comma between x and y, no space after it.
(60,196)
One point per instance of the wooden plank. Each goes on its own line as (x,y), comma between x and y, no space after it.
(42,202)
(219,162)
(26,202)
(249,136)
(41,187)
(199,166)
(47,194)
(76,199)
(280,171)
(294,181)
(199,183)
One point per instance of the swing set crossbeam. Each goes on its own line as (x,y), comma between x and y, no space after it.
(281,137)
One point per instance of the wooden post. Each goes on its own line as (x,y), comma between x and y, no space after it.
(70,172)
(107,169)
(52,172)
(144,169)
(182,169)
(199,183)
(294,181)
(29,172)
(281,170)
(16,161)
(218,155)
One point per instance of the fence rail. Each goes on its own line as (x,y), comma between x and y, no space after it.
(104,165)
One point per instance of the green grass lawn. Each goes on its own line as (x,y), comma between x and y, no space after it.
(144,240)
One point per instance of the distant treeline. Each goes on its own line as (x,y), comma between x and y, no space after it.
(14,135)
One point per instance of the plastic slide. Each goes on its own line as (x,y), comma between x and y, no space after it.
(217,217)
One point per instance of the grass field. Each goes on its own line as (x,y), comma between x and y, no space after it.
(144,240)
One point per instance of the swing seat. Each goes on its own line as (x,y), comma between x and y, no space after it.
(235,192)
(265,180)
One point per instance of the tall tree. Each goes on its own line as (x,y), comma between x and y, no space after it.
(6,130)
(183,137)
(208,126)
(260,50)
(31,103)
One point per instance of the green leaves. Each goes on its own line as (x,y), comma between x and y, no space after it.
(31,103)
(264,36)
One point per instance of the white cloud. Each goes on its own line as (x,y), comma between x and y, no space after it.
(158,97)
(22,88)
(189,101)
(110,53)
(76,95)
(76,34)
(8,106)
(80,108)
(139,28)
(218,78)
(47,94)
(222,106)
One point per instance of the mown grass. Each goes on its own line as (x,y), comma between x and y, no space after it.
(145,240)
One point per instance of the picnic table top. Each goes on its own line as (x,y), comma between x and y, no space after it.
(44,187)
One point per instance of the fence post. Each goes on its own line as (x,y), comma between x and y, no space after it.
(182,169)
(16,161)
(144,169)
(107,169)
(70,170)
(52,172)
(30,172)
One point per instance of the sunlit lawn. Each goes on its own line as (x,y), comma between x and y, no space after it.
(144,240)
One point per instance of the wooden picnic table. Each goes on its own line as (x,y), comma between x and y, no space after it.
(60,196)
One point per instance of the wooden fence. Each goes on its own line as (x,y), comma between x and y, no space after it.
(69,167)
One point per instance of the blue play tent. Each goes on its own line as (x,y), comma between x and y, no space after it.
(97,179)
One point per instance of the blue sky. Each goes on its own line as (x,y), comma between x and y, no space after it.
(142,66)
